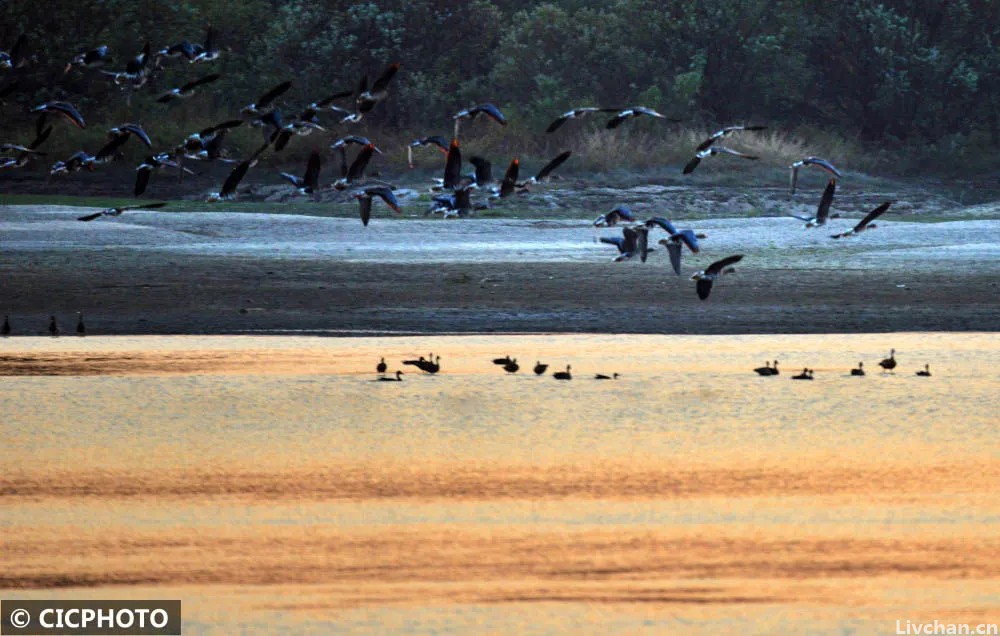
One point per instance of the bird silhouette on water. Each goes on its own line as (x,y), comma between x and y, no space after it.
(767,369)
(431,366)
(601,376)
(5,329)
(540,368)
(889,363)
(926,373)
(397,378)
(53,327)
(512,366)
(81,329)
(860,370)
(381,366)
(563,375)
(807,374)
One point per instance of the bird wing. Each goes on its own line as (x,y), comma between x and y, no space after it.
(386,194)
(327,101)
(273,94)
(311,179)
(17,55)
(667,226)
(556,123)
(822,163)
(484,170)
(674,252)
(110,148)
(730,151)
(166,97)
(823,211)
(357,169)
(705,145)
(90,217)
(365,209)
(492,112)
(793,178)
(704,287)
(631,239)
(510,177)
(234,178)
(144,206)
(383,81)
(68,111)
(642,242)
(720,265)
(871,216)
(801,218)
(139,133)
(617,241)
(198,82)
(648,111)
(142,180)
(689,238)
(617,120)
(552,165)
(453,165)
(691,165)
(281,139)
(624,212)
(291,178)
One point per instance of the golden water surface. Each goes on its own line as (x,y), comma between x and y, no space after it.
(273,486)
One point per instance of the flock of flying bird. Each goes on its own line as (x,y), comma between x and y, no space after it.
(453,191)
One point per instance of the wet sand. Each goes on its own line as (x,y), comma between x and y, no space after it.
(271,485)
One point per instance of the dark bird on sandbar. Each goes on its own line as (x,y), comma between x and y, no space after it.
(540,368)
(309,182)
(676,240)
(705,278)
(265,103)
(823,210)
(767,369)
(865,223)
(63,109)
(94,58)
(228,191)
(368,98)
(632,112)
(187,90)
(617,214)
(577,113)
(365,197)
(53,327)
(563,375)
(725,132)
(805,163)
(117,211)
(860,370)
(926,373)
(627,244)
(81,329)
(888,364)
(381,366)
(117,137)
(17,57)
(490,110)
(711,152)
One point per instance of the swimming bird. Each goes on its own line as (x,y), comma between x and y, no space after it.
(860,370)
(77,161)
(15,58)
(725,132)
(398,378)
(705,278)
(435,140)
(93,58)
(805,163)
(576,113)
(431,366)
(926,373)
(53,327)
(63,109)
(711,152)
(601,376)
(117,211)
(540,368)
(563,375)
(265,103)
(5,329)
(511,366)
(368,98)
(627,244)
(806,374)
(617,214)
(767,369)
(381,366)
(365,201)
(865,223)
(117,137)
(228,190)
(490,110)
(81,329)
(823,211)
(634,111)
(187,90)
(308,183)
(888,364)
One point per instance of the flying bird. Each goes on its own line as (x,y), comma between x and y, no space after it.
(705,278)
(228,190)
(63,109)
(93,58)
(146,168)
(615,216)
(725,132)
(823,211)
(24,154)
(308,183)
(357,168)
(265,103)
(711,152)
(368,98)
(435,140)
(489,110)
(865,223)
(117,211)
(365,202)
(676,240)
(76,162)
(117,137)
(187,90)
(627,244)
(577,113)
(805,163)
(16,57)
(632,112)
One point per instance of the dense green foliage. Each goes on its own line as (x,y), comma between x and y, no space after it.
(918,73)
